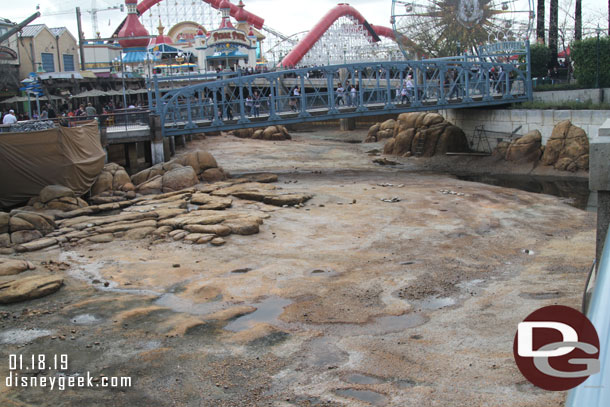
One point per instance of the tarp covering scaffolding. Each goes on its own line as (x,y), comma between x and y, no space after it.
(68,156)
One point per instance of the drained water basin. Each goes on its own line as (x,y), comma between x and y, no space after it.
(359,378)
(267,311)
(20,336)
(575,190)
(368,396)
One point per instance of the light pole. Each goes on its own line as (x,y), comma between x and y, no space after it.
(119,63)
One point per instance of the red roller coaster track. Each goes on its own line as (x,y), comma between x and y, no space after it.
(341,10)
(253,19)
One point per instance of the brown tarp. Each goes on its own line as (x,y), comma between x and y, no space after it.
(68,156)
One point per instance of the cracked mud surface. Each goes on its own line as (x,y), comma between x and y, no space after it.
(347,301)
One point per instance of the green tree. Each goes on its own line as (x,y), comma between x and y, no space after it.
(553,31)
(540,55)
(540,21)
(578,20)
(584,55)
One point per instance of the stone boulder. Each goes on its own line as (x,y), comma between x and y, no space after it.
(57,197)
(402,142)
(213,175)
(413,131)
(24,236)
(155,179)
(52,192)
(243,133)
(387,125)
(268,133)
(14,266)
(29,288)
(22,226)
(452,140)
(567,149)
(179,178)
(43,223)
(371,136)
(112,178)
(151,186)
(4,221)
(526,148)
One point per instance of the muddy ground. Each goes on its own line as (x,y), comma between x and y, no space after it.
(348,301)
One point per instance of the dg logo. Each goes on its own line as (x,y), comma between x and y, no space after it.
(556,348)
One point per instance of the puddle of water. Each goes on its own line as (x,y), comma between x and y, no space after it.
(577,191)
(20,336)
(359,378)
(322,273)
(92,271)
(182,305)
(85,319)
(381,325)
(368,396)
(323,352)
(266,311)
(405,383)
(434,303)
(542,295)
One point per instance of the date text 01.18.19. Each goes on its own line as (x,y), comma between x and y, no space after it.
(38,362)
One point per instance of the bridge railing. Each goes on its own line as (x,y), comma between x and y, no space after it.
(337,91)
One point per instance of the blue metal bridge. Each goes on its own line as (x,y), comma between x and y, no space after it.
(499,74)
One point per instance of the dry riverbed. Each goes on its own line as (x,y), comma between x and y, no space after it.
(389,287)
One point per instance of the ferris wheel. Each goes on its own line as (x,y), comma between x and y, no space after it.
(437,28)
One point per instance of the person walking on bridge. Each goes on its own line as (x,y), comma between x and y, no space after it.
(256,104)
(410,88)
(340,95)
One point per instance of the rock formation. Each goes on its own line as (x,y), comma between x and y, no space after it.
(183,171)
(567,149)
(267,133)
(57,197)
(198,215)
(525,149)
(421,133)
(113,184)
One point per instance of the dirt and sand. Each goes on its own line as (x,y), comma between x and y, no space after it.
(390,287)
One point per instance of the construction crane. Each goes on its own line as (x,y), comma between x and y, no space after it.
(94,10)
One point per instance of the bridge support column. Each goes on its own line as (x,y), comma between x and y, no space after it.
(172,146)
(131,157)
(599,180)
(181,141)
(167,153)
(347,124)
(157,153)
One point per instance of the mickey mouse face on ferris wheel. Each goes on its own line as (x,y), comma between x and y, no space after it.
(469,12)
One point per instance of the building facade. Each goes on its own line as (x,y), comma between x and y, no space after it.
(99,57)
(49,50)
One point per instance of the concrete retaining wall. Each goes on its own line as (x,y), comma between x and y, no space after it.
(505,120)
(581,95)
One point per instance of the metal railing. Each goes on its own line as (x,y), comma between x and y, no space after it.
(237,101)
(124,119)
(595,391)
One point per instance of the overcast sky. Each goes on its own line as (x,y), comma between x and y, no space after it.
(287,16)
